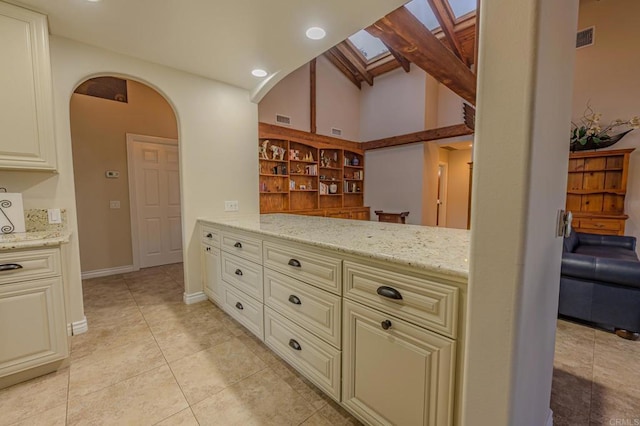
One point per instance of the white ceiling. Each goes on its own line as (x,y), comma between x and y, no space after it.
(221,40)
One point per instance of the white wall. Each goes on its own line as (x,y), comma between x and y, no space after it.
(218,133)
(520,172)
(290,97)
(449,107)
(394,180)
(606,75)
(458,188)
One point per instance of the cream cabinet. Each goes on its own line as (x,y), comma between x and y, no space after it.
(33,328)
(27,140)
(395,372)
(212,279)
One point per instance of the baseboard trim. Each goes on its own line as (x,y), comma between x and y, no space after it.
(192,298)
(106,272)
(550,418)
(79,327)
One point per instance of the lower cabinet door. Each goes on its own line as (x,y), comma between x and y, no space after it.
(317,360)
(33,328)
(244,309)
(211,275)
(395,372)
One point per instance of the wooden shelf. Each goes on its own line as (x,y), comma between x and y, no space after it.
(274,192)
(303,190)
(595,191)
(302,174)
(303,161)
(354,167)
(331,195)
(354,180)
(331,168)
(272,175)
(617,169)
(273,161)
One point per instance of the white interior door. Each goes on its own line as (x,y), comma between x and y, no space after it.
(155,188)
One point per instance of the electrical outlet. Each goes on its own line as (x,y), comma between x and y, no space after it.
(114,204)
(54,216)
(231,206)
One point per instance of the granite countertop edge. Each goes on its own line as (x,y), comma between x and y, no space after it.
(33,239)
(440,267)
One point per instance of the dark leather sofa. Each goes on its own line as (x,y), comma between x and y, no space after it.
(600,282)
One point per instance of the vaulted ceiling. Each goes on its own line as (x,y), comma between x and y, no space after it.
(447,52)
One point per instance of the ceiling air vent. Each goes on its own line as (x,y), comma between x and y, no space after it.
(585,37)
(336,132)
(283,119)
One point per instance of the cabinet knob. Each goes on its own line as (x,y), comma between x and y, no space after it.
(238,272)
(239,306)
(295,300)
(389,292)
(295,345)
(209,235)
(386,324)
(208,249)
(238,245)
(10,267)
(295,263)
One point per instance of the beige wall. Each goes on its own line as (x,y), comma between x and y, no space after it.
(607,76)
(290,97)
(98,136)
(458,188)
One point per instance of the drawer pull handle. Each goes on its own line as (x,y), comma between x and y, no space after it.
(389,292)
(386,324)
(295,263)
(208,249)
(209,235)
(239,306)
(10,267)
(295,300)
(238,272)
(238,245)
(295,345)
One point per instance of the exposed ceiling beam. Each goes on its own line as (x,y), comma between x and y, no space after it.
(354,59)
(404,62)
(422,136)
(330,55)
(404,33)
(446,19)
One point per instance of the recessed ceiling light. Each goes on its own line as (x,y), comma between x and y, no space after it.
(259,73)
(316,33)
(93,1)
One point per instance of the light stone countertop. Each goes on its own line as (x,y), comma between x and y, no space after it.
(440,250)
(33,239)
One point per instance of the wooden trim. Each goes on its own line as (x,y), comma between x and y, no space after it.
(312,88)
(266,130)
(337,62)
(404,62)
(608,153)
(421,136)
(354,60)
(445,17)
(476,42)
(404,33)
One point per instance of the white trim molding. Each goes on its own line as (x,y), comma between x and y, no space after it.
(108,271)
(550,418)
(79,327)
(191,298)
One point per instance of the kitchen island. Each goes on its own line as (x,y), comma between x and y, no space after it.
(372,313)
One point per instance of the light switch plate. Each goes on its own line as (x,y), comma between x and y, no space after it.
(114,204)
(54,216)
(231,206)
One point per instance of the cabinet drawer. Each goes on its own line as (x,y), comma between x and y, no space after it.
(395,373)
(309,266)
(245,310)
(601,224)
(210,235)
(315,310)
(316,360)
(242,274)
(31,264)
(241,245)
(420,301)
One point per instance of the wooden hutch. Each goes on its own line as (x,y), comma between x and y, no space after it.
(596,190)
(312,177)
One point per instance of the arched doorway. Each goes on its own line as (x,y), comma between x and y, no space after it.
(103,112)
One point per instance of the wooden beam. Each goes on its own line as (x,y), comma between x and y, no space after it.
(330,55)
(446,19)
(422,136)
(404,62)
(469,116)
(266,130)
(354,59)
(312,88)
(477,38)
(404,33)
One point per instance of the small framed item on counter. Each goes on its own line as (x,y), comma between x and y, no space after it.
(11,212)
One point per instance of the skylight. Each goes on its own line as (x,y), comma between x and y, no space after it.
(421,10)
(370,46)
(462,7)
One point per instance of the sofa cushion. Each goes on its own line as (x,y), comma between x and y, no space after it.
(606,252)
(590,268)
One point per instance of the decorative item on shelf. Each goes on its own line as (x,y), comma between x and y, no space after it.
(298,169)
(262,150)
(347,162)
(263,187)
(333,188)
(278,153)
(303,187)
(588,134)
(292,184)
(294,154)
(355,161)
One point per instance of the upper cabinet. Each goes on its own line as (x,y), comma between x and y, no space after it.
(26,107)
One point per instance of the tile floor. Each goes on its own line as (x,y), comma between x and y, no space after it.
(150,359)
(596,378)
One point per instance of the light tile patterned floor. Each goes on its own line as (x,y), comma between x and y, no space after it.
(150,359)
